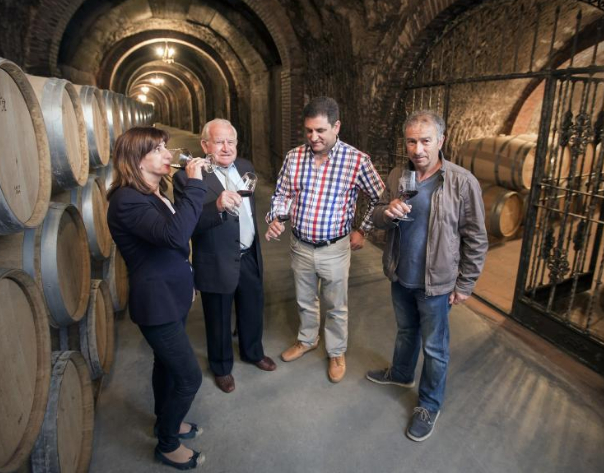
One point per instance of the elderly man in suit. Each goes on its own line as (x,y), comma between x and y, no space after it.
(227,259)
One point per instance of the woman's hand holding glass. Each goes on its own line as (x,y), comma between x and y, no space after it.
(194,168)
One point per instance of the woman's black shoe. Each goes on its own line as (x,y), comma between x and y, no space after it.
(191,434)
(196,460)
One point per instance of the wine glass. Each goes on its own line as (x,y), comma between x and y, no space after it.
(283,213)
(245,188)
(406,190)
(247,184)
(180,157)
(210,165)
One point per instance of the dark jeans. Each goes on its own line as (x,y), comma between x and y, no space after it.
(422,321)
(176,379)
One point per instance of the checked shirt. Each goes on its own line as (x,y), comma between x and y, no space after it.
(324,198)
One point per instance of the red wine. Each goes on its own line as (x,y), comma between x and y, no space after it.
(283,218)
(245,192)
(408,195)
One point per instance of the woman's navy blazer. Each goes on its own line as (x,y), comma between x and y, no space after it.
(155,246)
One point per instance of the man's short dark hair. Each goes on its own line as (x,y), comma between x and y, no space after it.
(325,106)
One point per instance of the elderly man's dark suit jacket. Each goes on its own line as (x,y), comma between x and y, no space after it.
(216,248)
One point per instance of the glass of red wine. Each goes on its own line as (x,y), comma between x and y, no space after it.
(245,188)
(283,214)
(406,190)
(247,184)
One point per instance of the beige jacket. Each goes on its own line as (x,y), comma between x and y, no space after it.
(457,238)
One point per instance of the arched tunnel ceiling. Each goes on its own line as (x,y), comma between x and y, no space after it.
(98,24)
(122,67)
(225,46)
(118,36)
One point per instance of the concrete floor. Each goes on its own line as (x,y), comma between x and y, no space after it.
(514,403)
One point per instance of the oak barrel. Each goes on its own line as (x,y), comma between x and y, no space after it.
(134,112)
(147,111)
(25,367)
(116,275)
(503,210)
(66,129)
(56,256)
(114,121)
(124,110)
(25,179)
(91,200)
(97,130)
(107,175)
(95,332)
(558,158)
(65,441)
(503,160)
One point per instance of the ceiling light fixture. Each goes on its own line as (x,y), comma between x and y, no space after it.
(157,80)
(145,89)
(142,98)
(166,53)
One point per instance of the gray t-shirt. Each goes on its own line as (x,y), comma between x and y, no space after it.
(411,270)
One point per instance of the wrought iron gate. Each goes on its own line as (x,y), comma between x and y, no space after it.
(559,283)
(559,291)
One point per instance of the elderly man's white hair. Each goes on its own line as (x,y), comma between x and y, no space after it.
(205,132)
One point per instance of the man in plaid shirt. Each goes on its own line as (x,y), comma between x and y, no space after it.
(317,188)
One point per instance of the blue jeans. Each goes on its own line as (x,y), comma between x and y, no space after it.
(422,320)
(176,379)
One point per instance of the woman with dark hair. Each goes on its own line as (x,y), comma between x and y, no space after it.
(153,238)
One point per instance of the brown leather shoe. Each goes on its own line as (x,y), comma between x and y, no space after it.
(337,368)
(266,364)
(225,383)
(297,350)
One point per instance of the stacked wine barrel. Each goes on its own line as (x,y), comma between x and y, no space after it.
(504,165)
(61,277)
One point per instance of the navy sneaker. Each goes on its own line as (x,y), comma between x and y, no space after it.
(385,377)
(422,424)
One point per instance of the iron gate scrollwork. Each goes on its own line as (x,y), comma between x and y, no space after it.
(559,283)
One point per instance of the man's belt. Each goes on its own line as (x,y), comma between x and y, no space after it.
(318,244)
